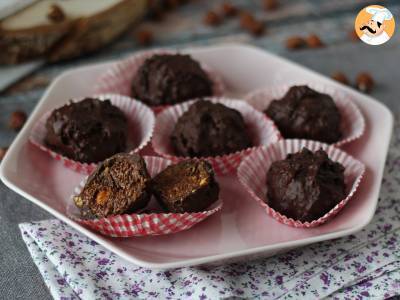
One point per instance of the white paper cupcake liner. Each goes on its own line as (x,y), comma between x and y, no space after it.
(352,124)
(118,79)
(142,224)
(261,129)
(253,171)
(141,122)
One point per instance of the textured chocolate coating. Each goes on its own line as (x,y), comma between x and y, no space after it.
(188,186)
(119,185)
(169,79)
(209,129)
(305,185)
(306,114)
(87,131)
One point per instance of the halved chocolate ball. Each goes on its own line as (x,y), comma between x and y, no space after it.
(188,186)
(119,185)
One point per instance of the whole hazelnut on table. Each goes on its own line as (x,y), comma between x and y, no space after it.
(341,77)
(251,24)
(244,18)
(270,4)
(365,82)
(295,42)
(313,41)
(211,18)
(256,28)
(17,120)
(228,9)
(3,151)
(354,36)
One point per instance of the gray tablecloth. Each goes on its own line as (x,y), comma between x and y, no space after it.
(19,278)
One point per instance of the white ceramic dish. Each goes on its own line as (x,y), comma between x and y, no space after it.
(242,230)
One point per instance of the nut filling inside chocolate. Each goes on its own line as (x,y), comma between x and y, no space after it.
(306,114)
(305,185)
(209,129)
(119,185)
(188,186)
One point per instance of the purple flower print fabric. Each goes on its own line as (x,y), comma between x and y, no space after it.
(361,266)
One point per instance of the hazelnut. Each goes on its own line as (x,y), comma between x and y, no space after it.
(229,10)
(270,4)
(144,37)
(256,28)
(78,201)
(212,18)
(313,41)
(365,82)
(251,24)
(17,120)
(295,42)
(3,151)
(341,77)
(56,14)
(101,197)
(245,19)
(171,4)
(354,36)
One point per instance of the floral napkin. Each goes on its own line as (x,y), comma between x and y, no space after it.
(364,265)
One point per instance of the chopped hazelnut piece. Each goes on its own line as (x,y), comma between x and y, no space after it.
(313,41)
(228,9)
(270,5)
(365,82)
(212,18)
(354,36)
(295,42)
(3,151)
(17,120)
(251,24)
(102,197)
(341,77)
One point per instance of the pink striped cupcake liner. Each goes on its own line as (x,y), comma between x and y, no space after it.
(253,171)
(261,129)
(141,122)
(142,223)
(353,122)
(118,78)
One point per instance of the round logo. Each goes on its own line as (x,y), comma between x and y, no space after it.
(375,25)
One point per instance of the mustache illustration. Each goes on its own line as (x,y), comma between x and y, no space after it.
(368,28)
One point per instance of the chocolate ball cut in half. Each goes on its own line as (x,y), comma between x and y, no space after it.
(119,185)
(188,186)
(87,131)
(209,129)
(304,113)
(166,79)
(305,185)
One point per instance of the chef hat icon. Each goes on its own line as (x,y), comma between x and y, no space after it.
(379,14)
